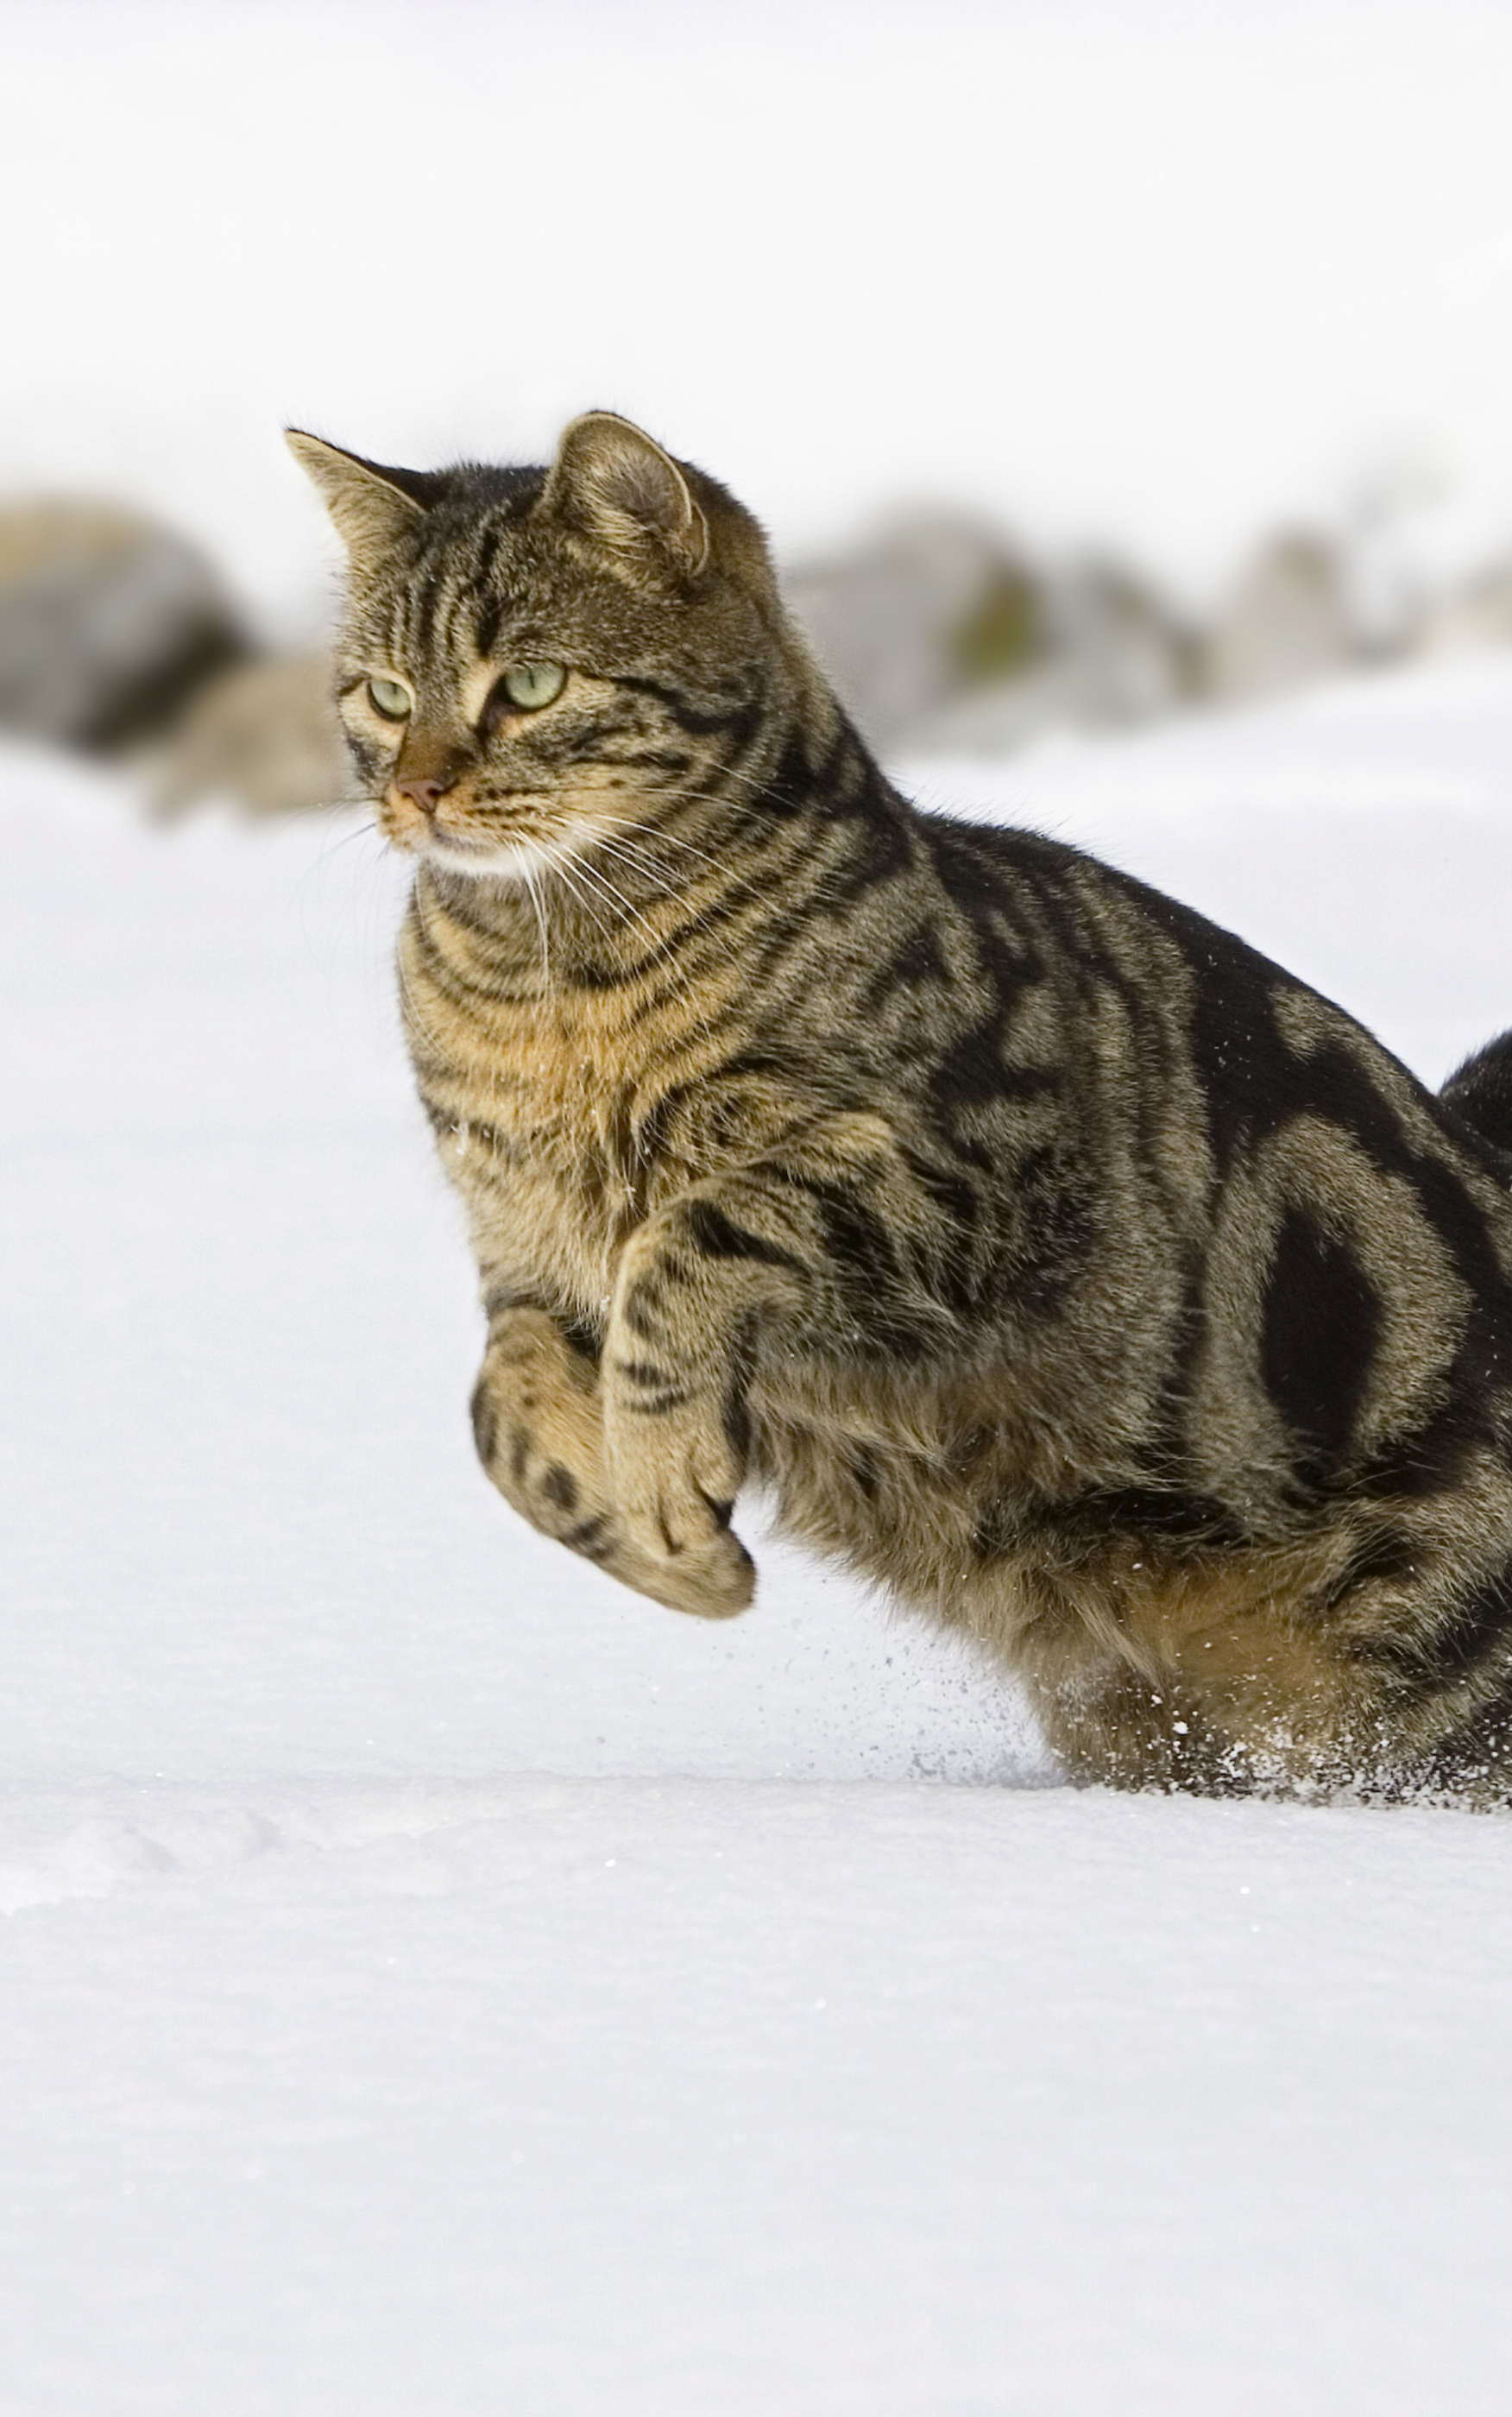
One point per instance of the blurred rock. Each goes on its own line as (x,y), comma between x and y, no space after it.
(939,634)
(107,623)
(263,734)
(932,606)
(1477,614)
(1109,652)
(1127,653)
(1286,622)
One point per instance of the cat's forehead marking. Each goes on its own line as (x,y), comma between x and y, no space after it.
(491,614)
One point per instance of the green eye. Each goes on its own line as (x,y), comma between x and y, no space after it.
(391,699)
(532,685)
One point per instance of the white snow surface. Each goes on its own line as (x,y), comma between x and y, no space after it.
(437,1983)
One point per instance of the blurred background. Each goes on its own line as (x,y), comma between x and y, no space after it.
(1088,361)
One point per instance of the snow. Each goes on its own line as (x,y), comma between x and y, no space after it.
(565,2095)
(436,1981)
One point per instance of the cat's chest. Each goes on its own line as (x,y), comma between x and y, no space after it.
(544,1132)
(564,1117)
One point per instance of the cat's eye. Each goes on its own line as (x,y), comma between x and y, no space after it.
(530,686)
(390,698)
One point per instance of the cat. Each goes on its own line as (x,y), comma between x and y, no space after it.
(1048,1253)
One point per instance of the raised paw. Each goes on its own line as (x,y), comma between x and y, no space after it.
(674,1472)
(537,1426)
(714,1585)
(537,1418)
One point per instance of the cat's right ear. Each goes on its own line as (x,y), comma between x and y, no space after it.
(372,508)
(618,486)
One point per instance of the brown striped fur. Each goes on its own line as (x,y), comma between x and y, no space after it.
(1049,1254)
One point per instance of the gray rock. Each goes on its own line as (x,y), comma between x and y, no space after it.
(1474,615)
(107,622)
(1286,622)
(1124,653)
(264,736)
(941,634)
(916,617)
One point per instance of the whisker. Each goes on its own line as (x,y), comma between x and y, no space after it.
(820,878)
(660,950)
(617,898)
(559,868)
(652,837)
(642,860)
(334,847)
(528,871)
(701,918)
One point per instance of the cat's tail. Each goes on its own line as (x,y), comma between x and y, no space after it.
(1480,1090)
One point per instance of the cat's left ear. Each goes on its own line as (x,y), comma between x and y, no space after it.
(373,507)
(615,484)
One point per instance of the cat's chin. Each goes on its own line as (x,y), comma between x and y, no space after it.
(516,859)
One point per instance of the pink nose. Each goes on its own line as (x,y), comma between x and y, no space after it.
(424,792)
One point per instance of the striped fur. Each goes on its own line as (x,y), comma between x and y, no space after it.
(1048,1253)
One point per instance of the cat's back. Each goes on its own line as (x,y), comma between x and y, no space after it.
(1261,1047)
(1150,1132)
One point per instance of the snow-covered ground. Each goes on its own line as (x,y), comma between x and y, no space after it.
(438,1984)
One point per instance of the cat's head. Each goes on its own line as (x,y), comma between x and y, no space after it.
(532,659)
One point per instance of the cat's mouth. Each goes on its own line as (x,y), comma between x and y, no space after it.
(492,848)
(522,833)
(511,845)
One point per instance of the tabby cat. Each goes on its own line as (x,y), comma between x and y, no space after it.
(1045,1251)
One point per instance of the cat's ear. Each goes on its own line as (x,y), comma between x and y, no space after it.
(615,484)
(373,507)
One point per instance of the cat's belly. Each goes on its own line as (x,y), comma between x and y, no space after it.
(909,1480)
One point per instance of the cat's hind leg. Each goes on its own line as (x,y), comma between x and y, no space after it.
(538,1427)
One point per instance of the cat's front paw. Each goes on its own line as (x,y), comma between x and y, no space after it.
(674,1474)
(535,1416)
(713,1585)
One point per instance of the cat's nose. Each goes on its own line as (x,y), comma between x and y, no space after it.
(422,790)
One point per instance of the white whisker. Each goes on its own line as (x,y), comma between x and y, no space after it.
(660,950)
(529,874)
